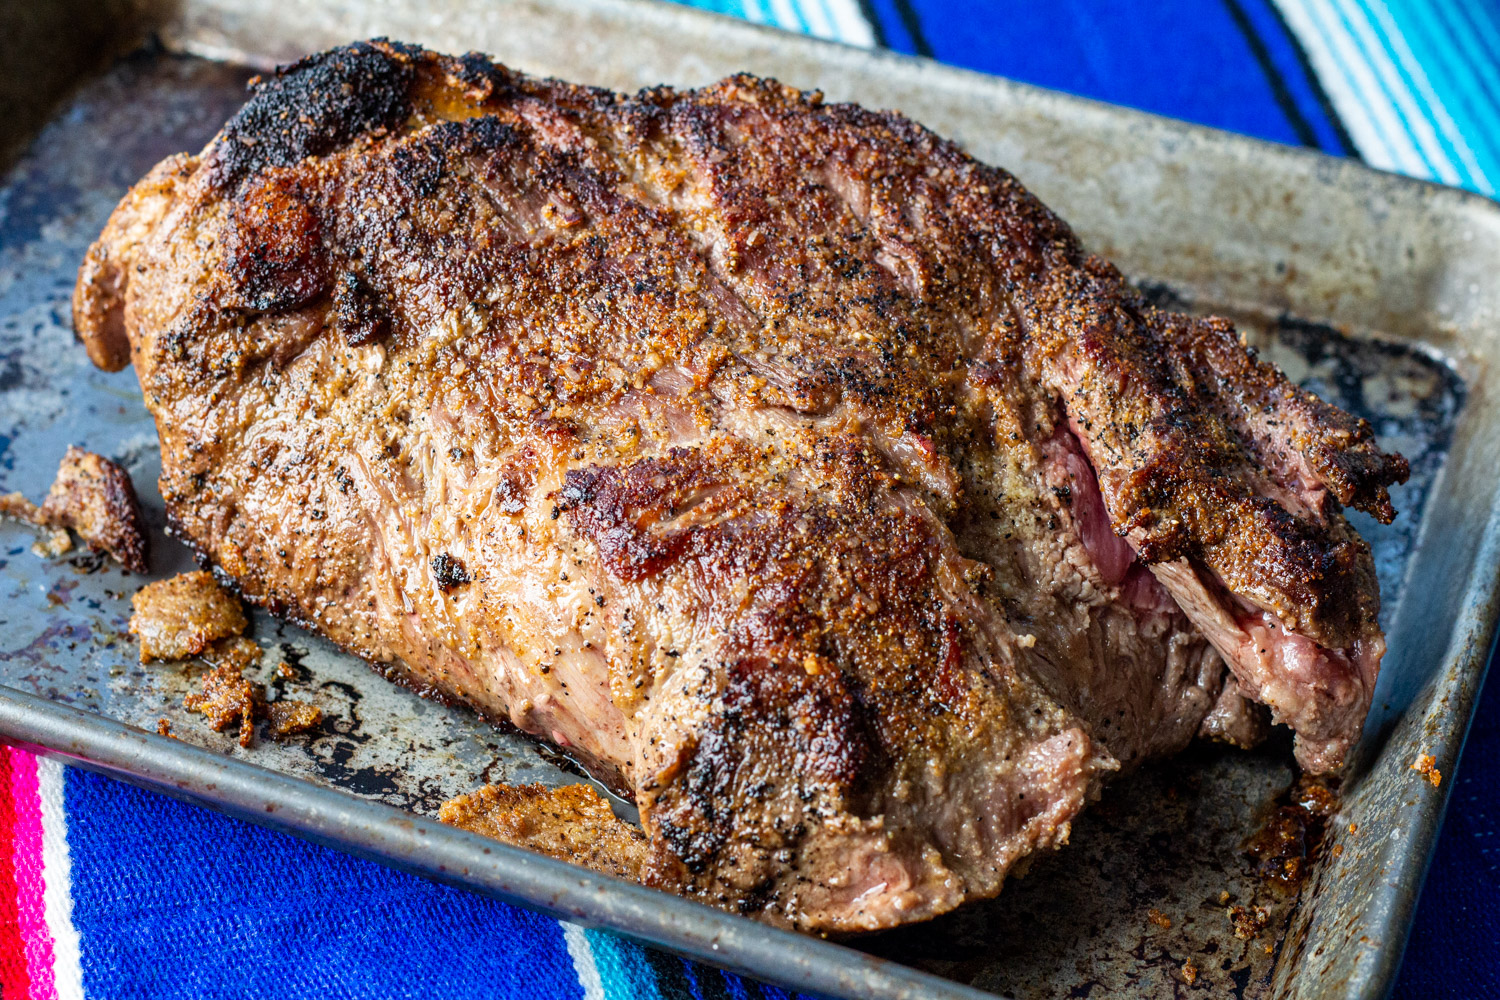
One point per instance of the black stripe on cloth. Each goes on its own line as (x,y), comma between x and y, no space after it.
(1346,142)
(710,983)
(913,25)
(670,972)
(867,11)
(1279,90)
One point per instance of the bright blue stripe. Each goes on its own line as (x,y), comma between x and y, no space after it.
(891,28)
(623,967)
(1390,95)
(692,970)
(1449,149)
(177,903)
(1481,62)
(734,8)
(802,24)
(736,987)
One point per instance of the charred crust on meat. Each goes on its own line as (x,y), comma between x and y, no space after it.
(449,572)
(314,106)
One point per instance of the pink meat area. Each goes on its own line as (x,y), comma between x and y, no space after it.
(1323,694)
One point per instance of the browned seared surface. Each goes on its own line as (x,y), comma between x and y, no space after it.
(95,497)
(773,457)
(180,617)
(572,823)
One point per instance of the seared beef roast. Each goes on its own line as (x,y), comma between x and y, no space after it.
(795,471)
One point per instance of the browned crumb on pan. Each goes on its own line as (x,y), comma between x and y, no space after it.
(53,543)
(235,651)
(572,823)
(93,496)
(289,717)
(178,618)
(96,498)
(228,698)
(1159,918)
(163,727)
(1249,921)
(1426,765)
(15,505)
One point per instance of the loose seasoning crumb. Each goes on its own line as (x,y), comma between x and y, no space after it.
(1289,836)
(163,727)
(178,618)
(1159,918)
(238,652)
(1427,765)
(289,717)
(53,544)
(228,698)
(1189,972)
(1248,922)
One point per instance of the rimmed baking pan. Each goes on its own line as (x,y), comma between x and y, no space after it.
(1375,290)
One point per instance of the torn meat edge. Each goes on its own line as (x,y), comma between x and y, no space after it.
(1322,694)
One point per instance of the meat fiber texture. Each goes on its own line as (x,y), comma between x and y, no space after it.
(795,472)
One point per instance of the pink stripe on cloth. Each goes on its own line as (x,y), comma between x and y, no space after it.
(26,858)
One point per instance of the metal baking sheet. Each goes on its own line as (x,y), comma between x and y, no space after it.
(1375,290)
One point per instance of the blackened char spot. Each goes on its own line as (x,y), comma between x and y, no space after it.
(312,107)
(776,719)
(449,572)
(360,311)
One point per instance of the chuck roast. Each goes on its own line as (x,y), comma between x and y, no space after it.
(797,473)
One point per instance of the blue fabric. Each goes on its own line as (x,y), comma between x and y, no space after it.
(236,911)
(1168,58)
(233,910)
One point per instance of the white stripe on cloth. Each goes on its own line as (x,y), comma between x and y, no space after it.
(1353,88)
(1356,20)
(850,25)
(583,961)
(57,890)
(835,20)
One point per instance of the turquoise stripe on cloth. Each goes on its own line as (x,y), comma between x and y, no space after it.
(1416,81)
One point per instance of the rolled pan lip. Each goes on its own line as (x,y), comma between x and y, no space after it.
(456,857)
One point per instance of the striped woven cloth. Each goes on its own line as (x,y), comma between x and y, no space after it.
(111,892)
